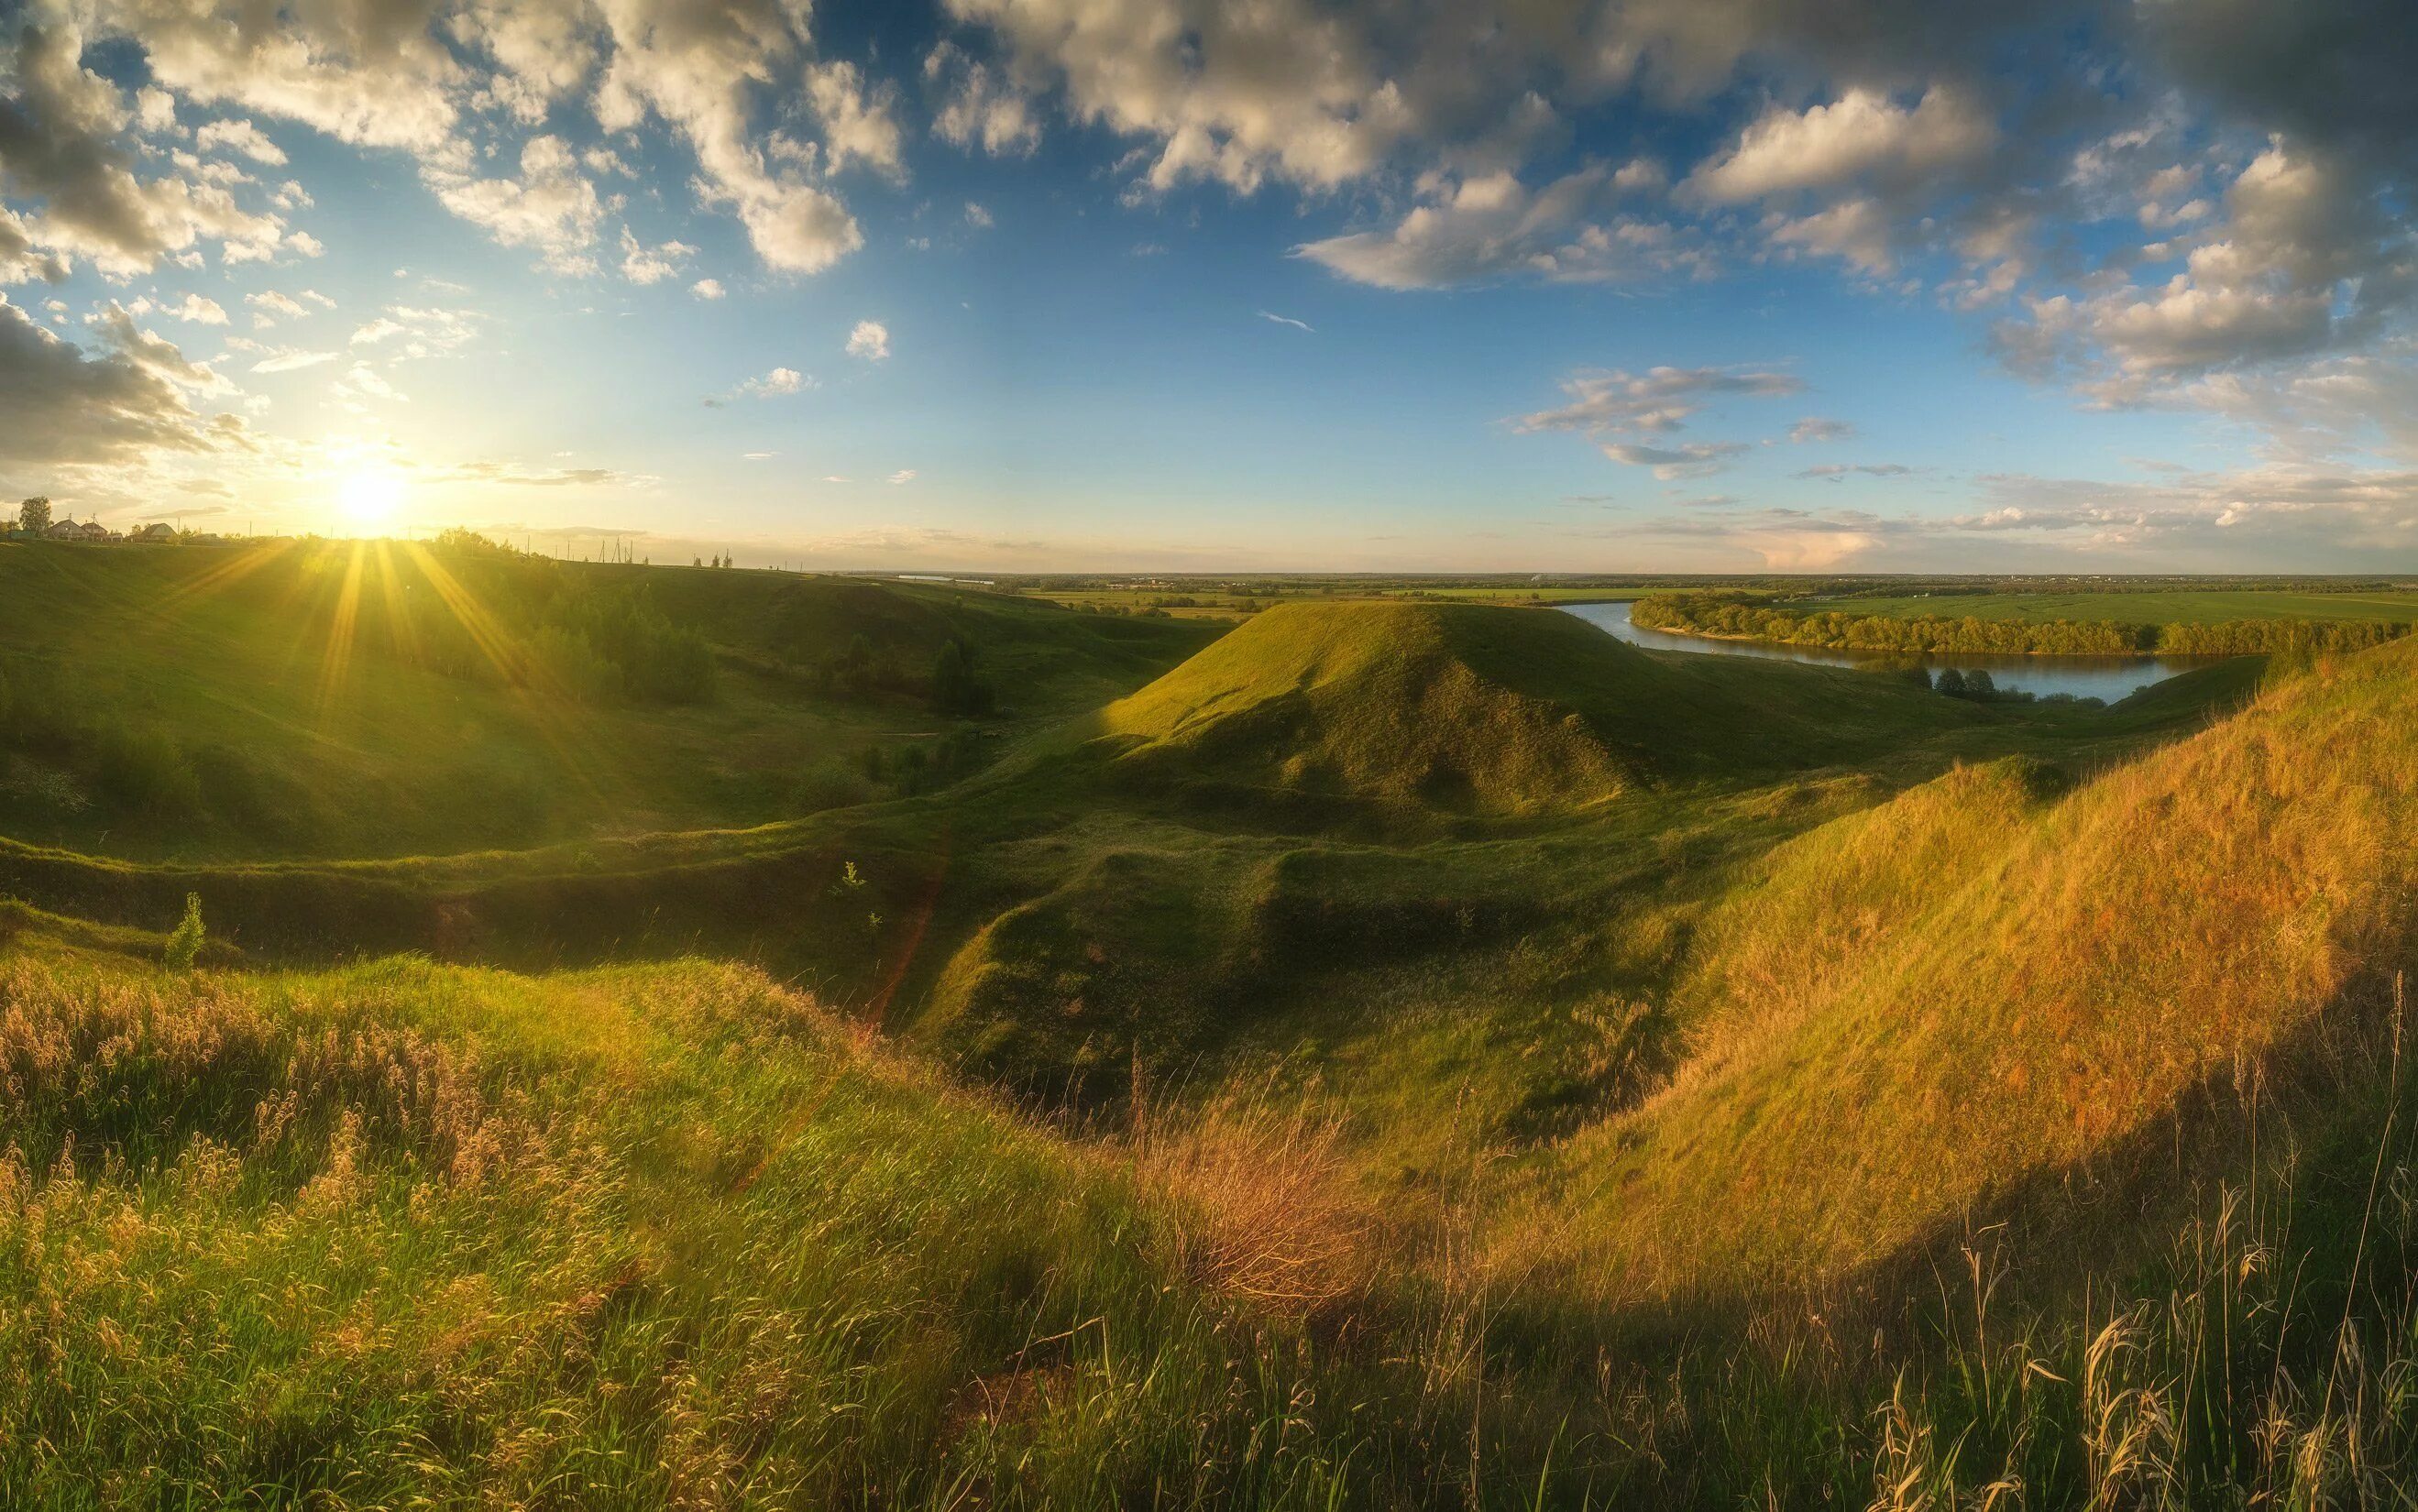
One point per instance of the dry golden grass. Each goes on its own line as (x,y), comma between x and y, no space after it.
(1263,1201)
(1922,1009)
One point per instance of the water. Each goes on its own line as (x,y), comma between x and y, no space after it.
(2109,678)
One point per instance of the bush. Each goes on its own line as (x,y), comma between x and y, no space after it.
(143,771)
(957,687)
(185,942)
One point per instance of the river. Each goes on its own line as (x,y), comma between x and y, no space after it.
(2084,677)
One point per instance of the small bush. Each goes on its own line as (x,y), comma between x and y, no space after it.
(143,770)
(185,942)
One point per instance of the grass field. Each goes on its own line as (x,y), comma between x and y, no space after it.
(2158,607)
(1392,1053)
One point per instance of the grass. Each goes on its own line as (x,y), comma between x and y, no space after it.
(1407,1054)
(268,685)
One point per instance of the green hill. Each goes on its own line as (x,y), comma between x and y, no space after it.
(1483,710)
(1984,990)
(327,699)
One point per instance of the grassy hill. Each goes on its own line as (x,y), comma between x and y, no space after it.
(327,700)
(1483,710)
(1939,1005)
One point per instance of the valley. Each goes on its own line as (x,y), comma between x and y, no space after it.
(734,1037)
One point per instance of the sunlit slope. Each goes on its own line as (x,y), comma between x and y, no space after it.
(406,1235)
(1484,709)
(1919,1011)
(343,699)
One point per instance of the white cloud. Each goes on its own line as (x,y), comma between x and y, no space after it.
(904,474)
(707,289)
(1861,135)
(860,124)
(195,310)
(241,136)
(1492,227)
(1686,459)
(1285,320)
(978,107)
(870,340)
(977,217)
(641,264)
(64,407)
(269,307)
(1814,430)
(550,209)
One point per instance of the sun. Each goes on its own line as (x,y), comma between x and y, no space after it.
(369,500)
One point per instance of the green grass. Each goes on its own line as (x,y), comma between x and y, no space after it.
(266,682)
(1567,1074)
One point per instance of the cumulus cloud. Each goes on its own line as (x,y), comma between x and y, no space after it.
(978,107)
(860,121)
(707,289)
(65,145)
(1492,227)
(551,208)
(641,264)
(1836,471)
(60,407)
(241,136)
(870,341)
(1862,136)
(1813,430)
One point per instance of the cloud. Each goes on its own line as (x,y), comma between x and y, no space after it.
(1690,459)
(1835,471)
(870,340)
(1862,136)
(977,217)
(859,123)
(517,476)
(1492,227)
(1659,400)
(694,68)
(240,136)
(269,307)
(904,474)
(1813,430)
(707,289)
(291,361)
(772,385)
(551,208)
(1286,320)
(60,407)
(978,109)
(641,264)
(65,141)
(196,311)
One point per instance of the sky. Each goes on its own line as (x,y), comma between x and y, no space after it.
(1176,285)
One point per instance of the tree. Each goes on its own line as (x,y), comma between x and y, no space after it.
(1952,682)
(34,515)
(957,688)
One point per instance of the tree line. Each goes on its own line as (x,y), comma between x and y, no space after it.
(1738,617)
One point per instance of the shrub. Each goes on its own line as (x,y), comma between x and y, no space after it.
(143,771)
(185,942)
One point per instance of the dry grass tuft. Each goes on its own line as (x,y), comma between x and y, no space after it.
(1265,1204)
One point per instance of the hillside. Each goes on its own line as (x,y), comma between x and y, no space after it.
(1482,709)
(1982,989)
(324,699)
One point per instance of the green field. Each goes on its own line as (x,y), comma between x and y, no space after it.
(2143,608)
(715,1038)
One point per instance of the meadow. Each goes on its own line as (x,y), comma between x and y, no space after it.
(1395,1051)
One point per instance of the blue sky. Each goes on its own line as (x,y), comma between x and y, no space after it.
(1035,284)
